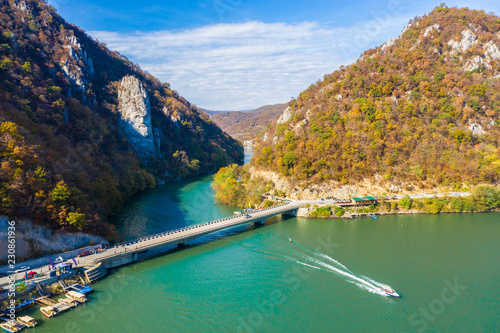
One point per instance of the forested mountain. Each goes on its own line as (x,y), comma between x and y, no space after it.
(422,109)
(82,128)
(247,125)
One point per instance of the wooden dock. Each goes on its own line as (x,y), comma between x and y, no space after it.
(45,301)
(58,306)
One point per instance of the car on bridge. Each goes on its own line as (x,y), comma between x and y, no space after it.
(31,274)
(58,260)
(248,216)
(84,254)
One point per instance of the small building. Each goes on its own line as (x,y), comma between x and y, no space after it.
(364,201)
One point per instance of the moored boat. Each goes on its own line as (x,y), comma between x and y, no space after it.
(69,301)
(10,326)
(76,296)
(48,311)
(26,321)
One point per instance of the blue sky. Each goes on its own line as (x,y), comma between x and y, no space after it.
(241,54)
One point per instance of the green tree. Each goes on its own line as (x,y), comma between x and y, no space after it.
(60,193)
(339,211)
(406,202)
(76,220)
(5,64)
(457,204)
(289,160)
(26,68)
(40,173)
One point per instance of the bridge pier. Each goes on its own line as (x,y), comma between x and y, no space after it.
(124,259)
(291,212)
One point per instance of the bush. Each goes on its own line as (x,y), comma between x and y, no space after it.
(406,202)
(322,212)
(339,211)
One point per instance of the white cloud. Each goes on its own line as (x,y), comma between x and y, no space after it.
(247,65)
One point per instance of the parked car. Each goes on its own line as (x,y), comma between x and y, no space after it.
(58,260)
(248,216)
(84,254)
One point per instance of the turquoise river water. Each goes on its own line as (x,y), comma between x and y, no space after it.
(253,279)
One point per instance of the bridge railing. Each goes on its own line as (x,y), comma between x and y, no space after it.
(170,232)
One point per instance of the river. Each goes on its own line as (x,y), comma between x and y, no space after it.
(253,279)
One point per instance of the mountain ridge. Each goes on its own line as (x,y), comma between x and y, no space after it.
(246,125)
(83,128)
(420,111)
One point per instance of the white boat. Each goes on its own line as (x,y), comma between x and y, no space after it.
(48,311)
(390,292)
(238,212)
(12,327)
(77,296)
(26,321)
(69,301)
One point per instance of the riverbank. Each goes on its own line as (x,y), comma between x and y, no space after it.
(225,267)
(243,186)
(481,199)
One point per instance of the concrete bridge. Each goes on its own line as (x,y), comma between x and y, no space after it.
(125,253)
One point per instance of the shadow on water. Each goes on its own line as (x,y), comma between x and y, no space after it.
(169,207)
(172,212)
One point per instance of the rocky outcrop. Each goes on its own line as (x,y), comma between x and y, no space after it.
(135,113)
(32,240)
(285,116)
(474,63)
(469,39)
(71,65)
(389,43)
(430,29)
(491,50)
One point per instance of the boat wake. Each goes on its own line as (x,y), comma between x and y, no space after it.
(317,260)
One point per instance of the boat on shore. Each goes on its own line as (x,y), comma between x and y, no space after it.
(373,217)
(12,327)
(390,292)
(26,321)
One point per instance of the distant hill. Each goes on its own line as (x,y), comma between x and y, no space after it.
(246,125)
(422,109)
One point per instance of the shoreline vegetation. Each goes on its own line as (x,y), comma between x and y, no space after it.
(234,186)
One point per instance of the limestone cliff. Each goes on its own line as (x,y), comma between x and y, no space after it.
(135,113)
